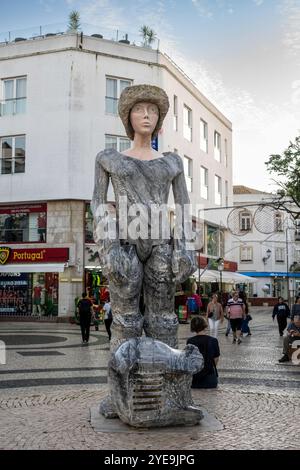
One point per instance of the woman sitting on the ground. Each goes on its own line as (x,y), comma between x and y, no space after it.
(209,348)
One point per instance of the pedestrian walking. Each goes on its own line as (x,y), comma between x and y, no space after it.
(85,311)
(235,311)
(281,311)
(108,318)
(296,308)
(209,348)
(215,315)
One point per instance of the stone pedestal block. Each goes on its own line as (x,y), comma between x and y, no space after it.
(150,384)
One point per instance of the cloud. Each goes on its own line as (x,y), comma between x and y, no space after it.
(203,8)
(48,5)
(103,13)
(258,2)
(290,12)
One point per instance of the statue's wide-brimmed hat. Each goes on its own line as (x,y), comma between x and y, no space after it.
(147,93)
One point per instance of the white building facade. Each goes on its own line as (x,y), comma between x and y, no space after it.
(59,99)
(267,244)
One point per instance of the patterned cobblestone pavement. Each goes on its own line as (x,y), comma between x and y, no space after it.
(45,400)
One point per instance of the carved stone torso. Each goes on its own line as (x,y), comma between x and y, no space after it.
(145,182)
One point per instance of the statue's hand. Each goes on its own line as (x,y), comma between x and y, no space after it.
(122,264)
(183,264)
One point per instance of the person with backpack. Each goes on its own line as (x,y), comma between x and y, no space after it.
(85,311)
(108,317)
(209,348)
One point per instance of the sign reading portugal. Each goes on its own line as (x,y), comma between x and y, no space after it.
(33,255)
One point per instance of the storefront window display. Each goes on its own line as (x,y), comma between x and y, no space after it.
(212,240)
(29,294)
(96,285)
(88,224)
(20,224)
(15,296)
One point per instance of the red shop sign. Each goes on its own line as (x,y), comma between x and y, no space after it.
(33,255)
(25,209)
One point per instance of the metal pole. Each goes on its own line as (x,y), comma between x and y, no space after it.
(221,289)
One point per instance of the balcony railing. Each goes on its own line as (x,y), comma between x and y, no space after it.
(13,106)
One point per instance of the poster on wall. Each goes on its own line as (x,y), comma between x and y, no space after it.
(14,294)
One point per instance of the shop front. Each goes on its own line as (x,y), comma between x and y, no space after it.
(29,280)
(276,284)
(96,284)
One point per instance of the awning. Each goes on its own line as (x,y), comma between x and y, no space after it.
(229,277)
(33,268)
(237,278)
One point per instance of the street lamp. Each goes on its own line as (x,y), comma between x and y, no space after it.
(221,269)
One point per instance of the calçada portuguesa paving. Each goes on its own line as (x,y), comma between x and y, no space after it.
(50,382)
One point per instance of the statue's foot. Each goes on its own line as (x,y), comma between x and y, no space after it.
(193,414)
(107,409)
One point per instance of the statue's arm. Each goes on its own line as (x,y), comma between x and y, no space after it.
(184,260)
(100,185)
(181,199)
(99,206)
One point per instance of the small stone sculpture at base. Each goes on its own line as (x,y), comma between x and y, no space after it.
(152,384)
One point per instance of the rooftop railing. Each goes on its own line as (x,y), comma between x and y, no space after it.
(97,32)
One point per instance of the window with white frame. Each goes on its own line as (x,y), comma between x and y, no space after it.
(226,153)
(188,172)
(218,190)
(204,182)
(13,96)
(116,142)
(279,255)
(245,221)
(226,193)
(187,123)
(246,254)
(203,136)
(278,222)
(114,88)
(12,154)
(217,146)
(175,113)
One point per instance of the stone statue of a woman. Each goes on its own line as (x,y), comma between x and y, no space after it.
(140,265)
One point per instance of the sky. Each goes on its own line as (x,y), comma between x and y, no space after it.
(243,55)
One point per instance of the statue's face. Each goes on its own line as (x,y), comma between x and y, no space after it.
(144,117)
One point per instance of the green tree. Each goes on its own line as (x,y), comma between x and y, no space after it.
(74,21)
(286,167)
(148,35)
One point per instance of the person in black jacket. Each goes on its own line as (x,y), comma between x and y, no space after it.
(209,348)
(85,310)
(282,311)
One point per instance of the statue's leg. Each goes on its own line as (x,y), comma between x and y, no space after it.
(125,297)
(160,320)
